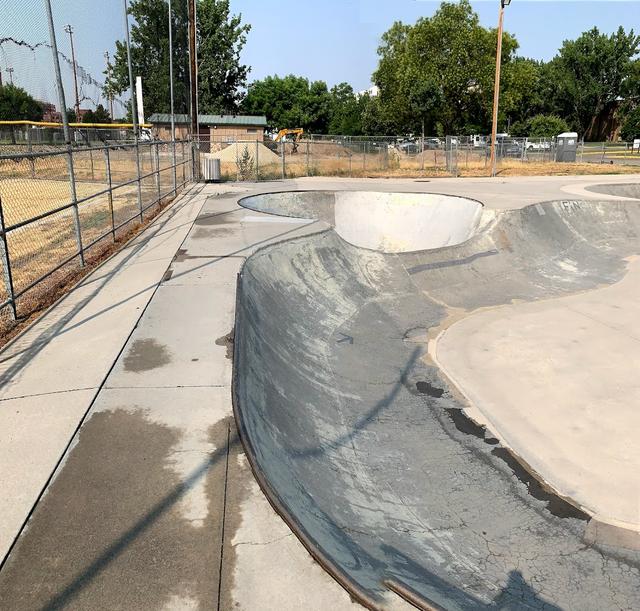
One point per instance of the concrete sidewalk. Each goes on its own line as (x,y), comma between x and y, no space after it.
(50,376)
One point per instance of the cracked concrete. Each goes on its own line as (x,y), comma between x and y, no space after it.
(358,442)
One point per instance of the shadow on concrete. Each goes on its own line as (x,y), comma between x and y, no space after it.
(59,328)
(367,418)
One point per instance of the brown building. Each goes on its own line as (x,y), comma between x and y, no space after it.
(50,114)
(212,128)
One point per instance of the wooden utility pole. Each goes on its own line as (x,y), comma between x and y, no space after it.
(193,69)
(496,88)
(69,30)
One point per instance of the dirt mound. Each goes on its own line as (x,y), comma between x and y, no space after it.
(234,152)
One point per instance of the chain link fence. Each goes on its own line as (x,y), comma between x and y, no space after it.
(60,210)
(255,160)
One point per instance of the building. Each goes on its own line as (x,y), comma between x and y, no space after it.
(212,128)
(50,114)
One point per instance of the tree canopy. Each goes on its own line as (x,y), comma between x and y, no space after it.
(436,75)
(17,105)
(290,102)
(590,75)
(221,37)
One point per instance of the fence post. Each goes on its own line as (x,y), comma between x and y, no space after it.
(284,173)
(157,158)
(107,165)
(32,161)
(308,164)
(257,160)
(6,265)
(364,157)
(175,169)
(93,175)
(184,170)
(74,201)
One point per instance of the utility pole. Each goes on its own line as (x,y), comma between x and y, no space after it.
(69,30)
(109,94)
(496,88)
(193,68)
(10,71)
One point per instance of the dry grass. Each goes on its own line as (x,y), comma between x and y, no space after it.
(377,166)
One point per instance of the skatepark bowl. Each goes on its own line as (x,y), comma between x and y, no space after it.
(441,400)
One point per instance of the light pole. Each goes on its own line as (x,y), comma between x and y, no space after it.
(69,30)
(496,87)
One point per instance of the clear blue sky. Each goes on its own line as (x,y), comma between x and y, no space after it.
(332,40)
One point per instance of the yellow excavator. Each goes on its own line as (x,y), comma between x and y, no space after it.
(298,132)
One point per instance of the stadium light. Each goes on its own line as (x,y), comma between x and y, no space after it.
(496,87)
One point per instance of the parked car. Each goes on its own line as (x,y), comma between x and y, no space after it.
(408,147)
(539,145)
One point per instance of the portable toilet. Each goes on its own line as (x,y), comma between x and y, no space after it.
(566,147)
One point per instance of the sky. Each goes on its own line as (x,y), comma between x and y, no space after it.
(330,40)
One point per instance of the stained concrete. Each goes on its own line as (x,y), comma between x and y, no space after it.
(144,509)
(361,439)
(56,367)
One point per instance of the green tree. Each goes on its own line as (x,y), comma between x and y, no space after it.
(346,111)
(540,126)
(440,69)
(220,41)
(290,102)
(590,75)
(631,126)
(221,38)
(17,105)
(101,114)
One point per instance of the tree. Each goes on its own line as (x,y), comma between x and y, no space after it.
(346,111)
(17,105)
(631,126)
(589,77)
(289,102)
(441,70)
(221,38)
(101,114)
(540,126)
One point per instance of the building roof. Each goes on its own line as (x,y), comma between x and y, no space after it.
(248,120)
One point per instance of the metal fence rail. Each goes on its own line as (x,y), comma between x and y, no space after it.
(61,208)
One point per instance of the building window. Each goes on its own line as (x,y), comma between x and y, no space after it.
(252,130)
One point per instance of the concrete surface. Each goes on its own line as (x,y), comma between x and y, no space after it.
(557,381)
(52,372)
(154,506)
(118,402)
(364,444)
